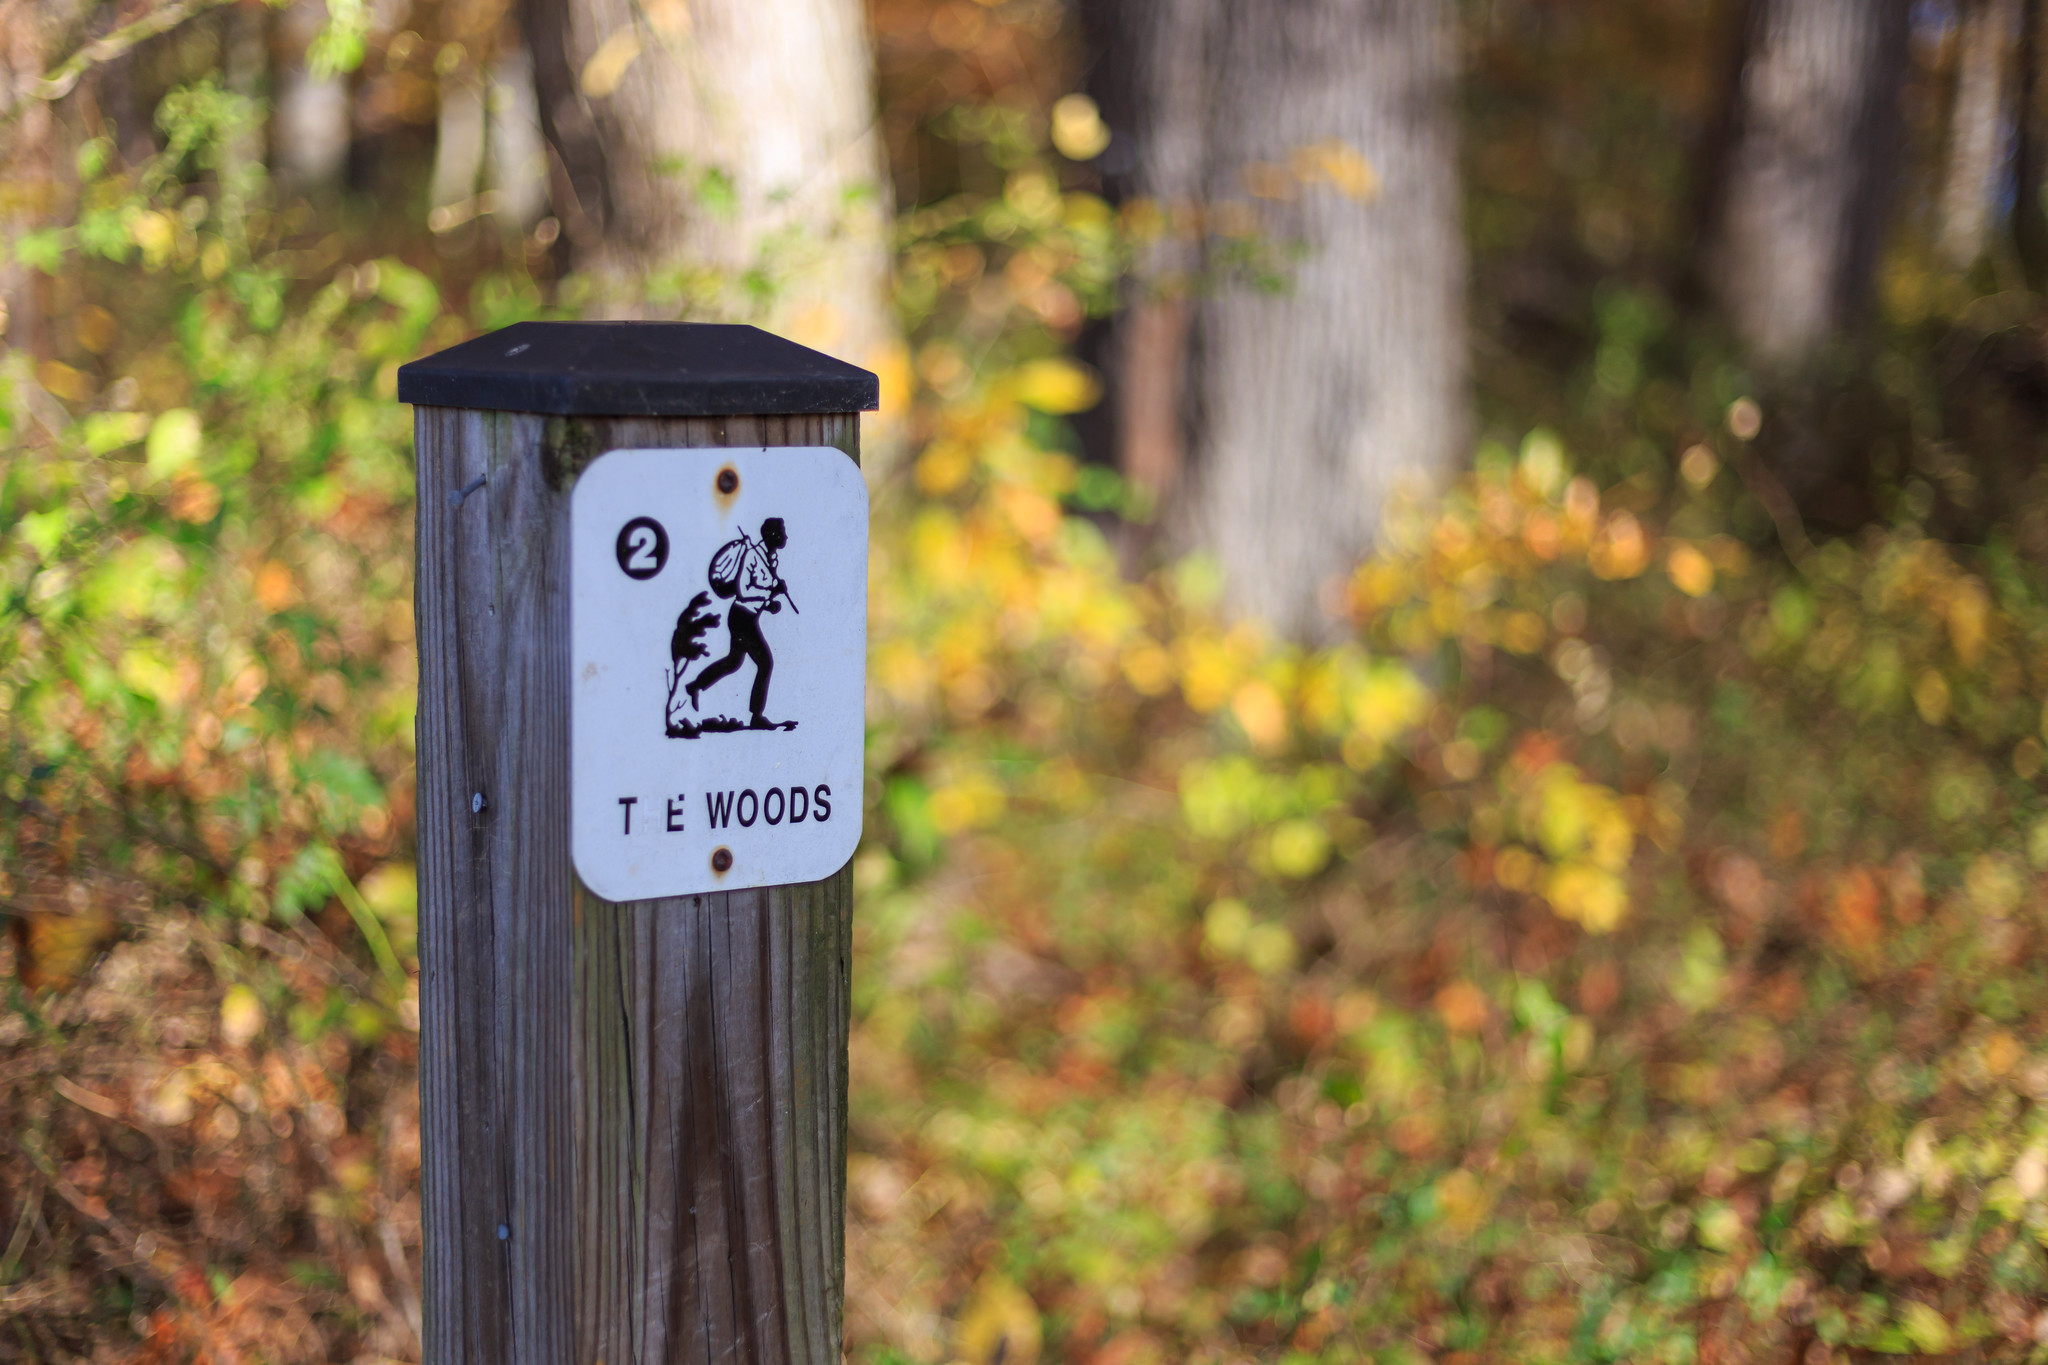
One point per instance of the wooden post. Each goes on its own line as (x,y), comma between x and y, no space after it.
(633,1116)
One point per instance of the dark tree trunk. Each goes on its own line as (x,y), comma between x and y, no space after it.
(1810,170)
(1151,78)
(2029,217)
(1313,142)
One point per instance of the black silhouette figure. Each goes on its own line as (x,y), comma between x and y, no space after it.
(746,571)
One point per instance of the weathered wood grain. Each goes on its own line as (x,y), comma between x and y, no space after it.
(634,1116)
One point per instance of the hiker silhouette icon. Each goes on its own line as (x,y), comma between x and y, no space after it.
(748,571)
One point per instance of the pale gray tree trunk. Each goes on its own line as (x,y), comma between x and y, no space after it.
(458,150)
(727,151)
(1977,127)
(518,169)
(309,128)
(1318,136)
(1808,177)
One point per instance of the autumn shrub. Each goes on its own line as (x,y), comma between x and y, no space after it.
(1617,945)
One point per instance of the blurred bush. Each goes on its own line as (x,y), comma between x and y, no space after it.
(1623,946)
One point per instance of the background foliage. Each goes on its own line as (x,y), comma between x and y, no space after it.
(1625,945)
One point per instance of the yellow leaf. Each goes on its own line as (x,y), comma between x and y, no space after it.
(671,18)
(95,328)
(146,672)
(943,468)
(1269,949)
(1931,697)
(192,498)
(1516,868)
(1691,572)
(1969,610)
(999,1326)
(1994,885)
(156,233)
(1339,164)
(1462,1006)
(607,66)
(275,587)
(818,327)
(392,890)
(1462,1201)
(1927,1329)
(1056,385)
(2002,1052)
(1264,180)
(1389,700)
(1610,837)
(73,386)
(1591,896)
(1148,668)
(241,1016)
(1523,632)
(1620,550)
(1259,710)
(173,442)
(55,949)
(171,1104)
(1719,1227)
(973,802)
(1299,848)
(890,360)
(1077,128)
(1226,926)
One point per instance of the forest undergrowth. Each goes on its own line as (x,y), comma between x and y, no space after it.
(1622,943)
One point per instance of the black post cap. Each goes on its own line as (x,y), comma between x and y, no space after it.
(637,369)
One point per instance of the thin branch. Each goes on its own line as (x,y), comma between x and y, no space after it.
(1764,486)
(64,77)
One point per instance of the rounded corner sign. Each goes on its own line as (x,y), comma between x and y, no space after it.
(718,639)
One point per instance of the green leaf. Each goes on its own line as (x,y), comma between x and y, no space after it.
(101,432)
(307,881)
(44,531)
(42,249)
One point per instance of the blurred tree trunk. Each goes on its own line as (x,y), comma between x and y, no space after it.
(518,164)
(728,151)
(2030,153)
(1976,128)
(459,128)
(310,130)
(35,169)
(1149,78)
(1809,172)
(1319,135)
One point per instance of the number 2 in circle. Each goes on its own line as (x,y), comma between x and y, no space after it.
(642,547)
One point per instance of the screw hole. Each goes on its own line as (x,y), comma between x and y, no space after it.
(721,860)
(728,480)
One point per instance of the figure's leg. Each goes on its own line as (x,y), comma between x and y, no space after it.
(764,664)
(740,624)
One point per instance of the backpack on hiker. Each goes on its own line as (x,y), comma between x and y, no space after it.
(726,565)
